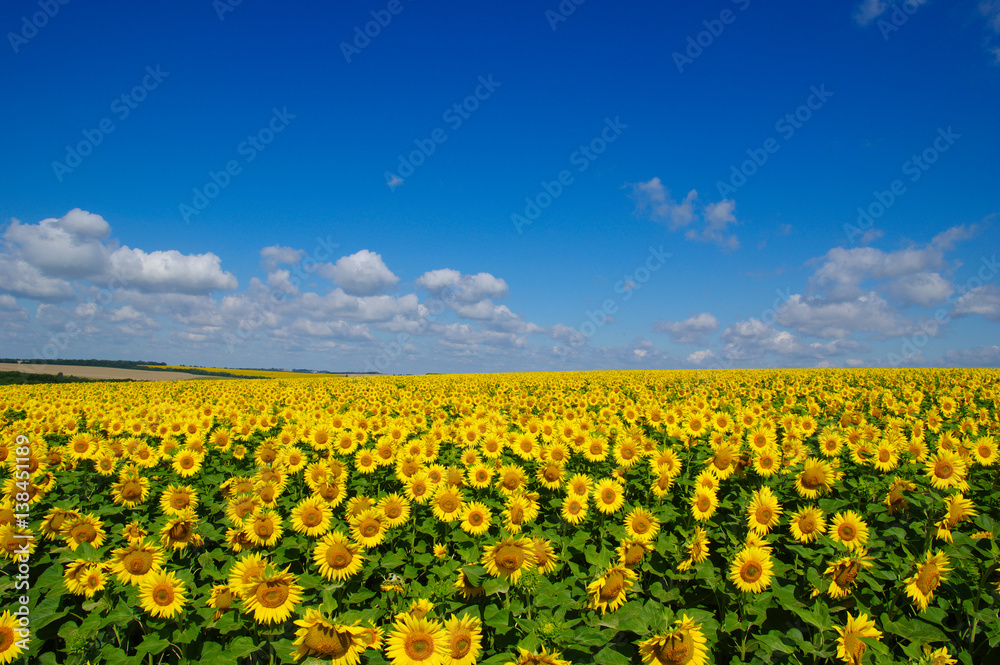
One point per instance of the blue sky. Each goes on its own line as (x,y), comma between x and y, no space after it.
(496,187)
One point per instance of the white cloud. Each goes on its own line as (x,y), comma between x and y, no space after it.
(699,357)
(363,273)
(276,255)
(922,288)
(69,247)
(869,10)
(689,331)
(983,301)
(840,318)
(703,222)
(980,356)
(466,289)
(170,271)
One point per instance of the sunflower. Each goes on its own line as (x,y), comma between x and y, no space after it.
(850,648)
(130,492)
(395,508)
(318,637)
(466,588)
(263,528)
(641,525)
(807,523)
(447,504)
(476,518)
(162,594)
(369,529)
(507,558)
(418,487)
(337,556)
(607,593)
(632,552)
(704,504)
(929,576)
(92,580)
(10,646)
(480,476)
(544,657)
(84,529)
(697,549)
(246,569)
(844,572)
(767,462)
(764,511)
(136,562)
(463,637)
(816,476)
(511,478)
(239,508)
(545,556)
(751,570)
(574,509)
(520,510)
(54,522)
(886,456)
(220,599)
(984,451)
(848,529)
(959,508)
(609,496)
(311,516)
(417,642)
(761,439)
(894,498)
(684,643)
(945,469)
(271,596)
(178,498)
(187,463)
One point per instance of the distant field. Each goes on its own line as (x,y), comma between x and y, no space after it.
(100,372)
(267,374)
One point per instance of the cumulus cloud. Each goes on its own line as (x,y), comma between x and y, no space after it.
(363,273)
(820,317)
(70,247)
(276,255)
(699,357)
(707,222)
(980,356)
(170,271)
(465,289)
(689,331)
(922,288)
(982,301)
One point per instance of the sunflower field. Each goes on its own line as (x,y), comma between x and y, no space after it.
(752,516)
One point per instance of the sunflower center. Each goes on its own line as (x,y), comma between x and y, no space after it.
(943,469)
(634,555)
(131,491)
(608,496)
(138,563)
(180,501)
(764,514)
(448,504)
(163,595)
(179,532)
(393,510)
(613,585)
(807,524)
(460,646)
(272,594)
(311,517)
(928,579)
(187,462)
(846,532)
(475,518)
(509,558)
(883,455)
(845,574)
(751,572)
(419,646)
(264,529)
(327,641)
(674,650)
(641,525)
(811,479)
(338,556)
(704,503)
(516,515)
(83,533)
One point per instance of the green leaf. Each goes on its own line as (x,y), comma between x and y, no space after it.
(608,656)
(241,647)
